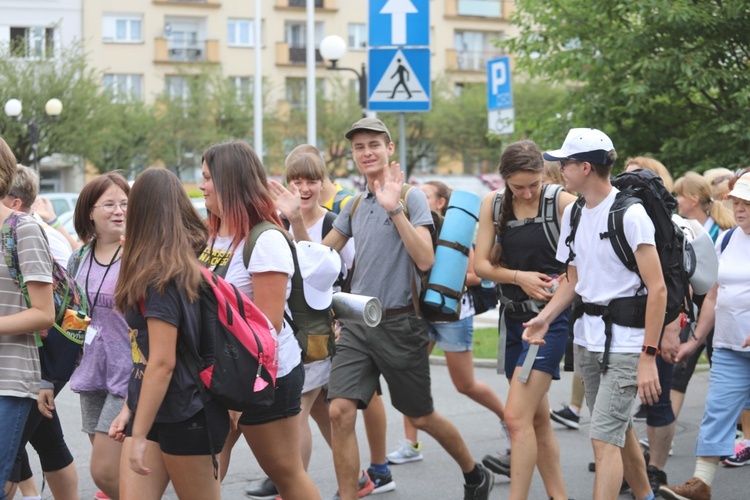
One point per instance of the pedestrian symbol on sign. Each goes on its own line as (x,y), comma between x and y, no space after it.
(401,71)
(398,83)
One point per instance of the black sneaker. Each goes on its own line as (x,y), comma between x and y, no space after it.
(566,417)
(482,490)
(382,482)
(499,464)
(657,478)
(641,414)
(265,491)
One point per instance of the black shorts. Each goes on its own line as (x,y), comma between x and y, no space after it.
(287,400)
(191,436)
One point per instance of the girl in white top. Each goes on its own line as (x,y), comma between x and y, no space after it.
(727,310)
(695,201)
(236,192)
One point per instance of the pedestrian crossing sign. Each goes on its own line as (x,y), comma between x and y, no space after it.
(399,80)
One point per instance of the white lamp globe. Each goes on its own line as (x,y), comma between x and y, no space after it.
(332,47)
(53,107)
(13,108)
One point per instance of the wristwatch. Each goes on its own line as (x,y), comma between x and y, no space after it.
(397,210)
(651,350)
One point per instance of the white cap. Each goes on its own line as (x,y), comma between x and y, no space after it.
(584,144)
(742,188)
(701,262)
(319,266)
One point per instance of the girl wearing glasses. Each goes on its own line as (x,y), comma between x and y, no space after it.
(102,377)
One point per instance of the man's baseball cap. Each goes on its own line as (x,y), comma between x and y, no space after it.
(584,144)
(369,124)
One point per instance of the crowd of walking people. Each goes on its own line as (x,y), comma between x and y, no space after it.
(546,241)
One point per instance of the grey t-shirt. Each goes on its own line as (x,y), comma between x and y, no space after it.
(382,266)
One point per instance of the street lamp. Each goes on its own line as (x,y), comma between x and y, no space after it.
(333,48)
(52,108)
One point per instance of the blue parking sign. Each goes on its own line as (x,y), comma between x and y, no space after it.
(499,91)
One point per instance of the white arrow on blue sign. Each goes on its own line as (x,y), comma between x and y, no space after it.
(399,80)
(499,91)
(399,22)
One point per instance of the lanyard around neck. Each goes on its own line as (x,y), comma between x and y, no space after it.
(88,273)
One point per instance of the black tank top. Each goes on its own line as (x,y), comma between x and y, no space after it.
(526,248)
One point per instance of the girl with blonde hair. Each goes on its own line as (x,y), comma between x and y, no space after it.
(695,201)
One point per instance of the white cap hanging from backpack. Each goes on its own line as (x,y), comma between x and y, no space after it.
(701,261)
(319,266)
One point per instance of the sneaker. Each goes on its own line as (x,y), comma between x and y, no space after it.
(382,482)
(482,490)
(365,485)
(694,489)
(640,415)
(406,453)
(499,464)
(566,417)
(100,495)
(266,490)
(657,478)
(644,443)
(741,456)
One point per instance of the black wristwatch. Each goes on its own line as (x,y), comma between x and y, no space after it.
(651,350)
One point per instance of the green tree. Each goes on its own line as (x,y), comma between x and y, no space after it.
(664,77)
(88,119)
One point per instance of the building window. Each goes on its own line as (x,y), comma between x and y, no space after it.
(480,8)
(32,42)
(177,87)
(296,91)
(357,36)
(122,28)
(475,48)
(241,32)
(124,87)
(243,87)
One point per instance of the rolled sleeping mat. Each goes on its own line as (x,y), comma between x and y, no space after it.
(357,308)
(448,275)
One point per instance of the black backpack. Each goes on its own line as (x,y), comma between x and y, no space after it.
(645,187)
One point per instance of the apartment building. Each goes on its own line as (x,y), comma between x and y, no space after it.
(144,46)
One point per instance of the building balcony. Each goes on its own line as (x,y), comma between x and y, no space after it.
(294,56)
(469,60)
(301,4)
(206,51)
(476,9)
(211,4)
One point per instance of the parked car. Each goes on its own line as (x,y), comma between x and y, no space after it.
(62,202)
(200,206)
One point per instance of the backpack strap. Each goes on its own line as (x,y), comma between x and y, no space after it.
(497,207)
(548,213)
(328,220)
(616,230)
(75,261)
(726,239)
(10,250)
(575,218)
(355,205)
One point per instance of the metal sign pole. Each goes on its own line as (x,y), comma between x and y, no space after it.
(402,140)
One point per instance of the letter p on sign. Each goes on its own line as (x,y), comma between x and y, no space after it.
(499,92)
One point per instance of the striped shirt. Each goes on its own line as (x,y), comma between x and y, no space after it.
(19,357)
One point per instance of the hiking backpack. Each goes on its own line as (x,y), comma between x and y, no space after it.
(313,329)
(548,207)
(423,309)
(238,359)
(645,187)
(60,350)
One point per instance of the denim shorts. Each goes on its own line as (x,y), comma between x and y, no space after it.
(728,394)
(13,414)
(453,337)
(661,414)
(610,396)
(549,355)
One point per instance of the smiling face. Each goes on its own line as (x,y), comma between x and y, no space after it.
(108,215)
(209,192)
(309,191)
(371,151)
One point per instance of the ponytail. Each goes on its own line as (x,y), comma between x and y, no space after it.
(721,215)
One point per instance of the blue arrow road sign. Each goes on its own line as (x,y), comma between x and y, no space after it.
(499,92)
(399,22)
(399,80)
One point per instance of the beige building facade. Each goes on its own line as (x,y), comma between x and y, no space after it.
(145,46)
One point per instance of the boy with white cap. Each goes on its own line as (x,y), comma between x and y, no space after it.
(616,361)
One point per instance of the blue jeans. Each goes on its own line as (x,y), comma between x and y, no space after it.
(13,414)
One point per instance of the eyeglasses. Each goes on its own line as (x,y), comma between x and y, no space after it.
(111,207)
(565,163)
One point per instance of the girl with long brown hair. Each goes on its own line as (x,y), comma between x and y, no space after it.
(517,254)
(158,293)
(235,188)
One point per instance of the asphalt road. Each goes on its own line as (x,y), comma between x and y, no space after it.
(437,476)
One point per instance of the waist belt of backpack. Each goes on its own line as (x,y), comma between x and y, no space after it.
(399,310)
(526,306)
(626,311)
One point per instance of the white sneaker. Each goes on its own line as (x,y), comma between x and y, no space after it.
(406,453)
(644,443)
